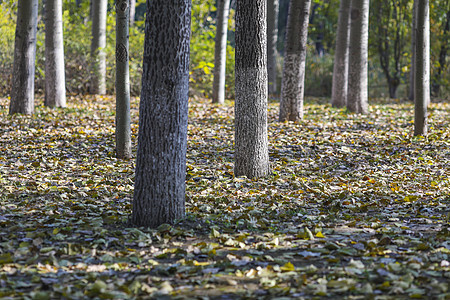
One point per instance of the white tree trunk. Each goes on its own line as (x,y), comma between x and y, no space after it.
(272,38)
(422,76)
(22,91)
(123,120)
(132,11)
(340,68)
(55,79)
(293,81)
(98,44)
(220,53)
(251,143)
(357,97)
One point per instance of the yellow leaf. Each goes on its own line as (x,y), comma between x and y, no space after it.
(288,267)
(320,235)
(196,263)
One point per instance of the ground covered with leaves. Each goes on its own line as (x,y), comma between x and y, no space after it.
(355,207)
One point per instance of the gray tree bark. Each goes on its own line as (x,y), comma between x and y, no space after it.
(251,144)
(422,76)
(220,52)
(357,98)
(273,7)
(132,12)
(123,120)
(98,44)
(293,81)
(55,79)
(159,192)
(22,91)
(340,68)
(413,52)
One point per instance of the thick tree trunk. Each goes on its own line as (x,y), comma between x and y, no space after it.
(393,84)
(357,98)
(220,53)
(413,52)
(98,44)
(293,81)
(123,120)
(132,12)
(55,79)
(159,192)
(251,144)
(422,83)
(272,38)
(340,68)
(22,91)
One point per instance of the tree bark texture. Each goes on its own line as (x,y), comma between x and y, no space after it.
(55,79)
(357,98)
(123,120)
(220,52)
(132,12)
(413,52)
(251,143)
(98,44)
(422,82)
(340,68)
(273,7)
(22,91)
(159,193)
(293,81)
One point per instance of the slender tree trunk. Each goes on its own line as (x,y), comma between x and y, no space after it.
(340,68)
(132,12)
(413,52)
(220,53)
(55,79)
(357,98)
(272,38)
(159,192)
(251,144)
(422,83)
(123,120)
(22,91)
(293,82)
(98,44)
(427,57)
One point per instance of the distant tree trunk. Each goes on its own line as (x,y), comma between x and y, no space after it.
(132,12)
(55,79)
(220,53)
(98,44)
(251,144)
(422,83)
(293,81)
(427,57)
(357,98)
(442,56)
(22,91)
(272,38)
(123,120)
(340,68)
(413,52)
(159,191)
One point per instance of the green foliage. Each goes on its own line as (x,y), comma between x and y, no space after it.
(7,36)
(318,73)
(202,50)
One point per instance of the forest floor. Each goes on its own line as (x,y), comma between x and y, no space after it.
(355,208)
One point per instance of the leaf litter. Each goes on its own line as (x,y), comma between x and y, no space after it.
(355,207)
